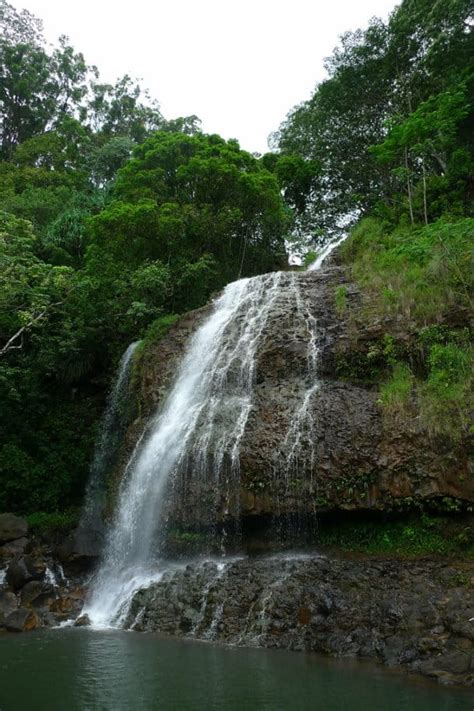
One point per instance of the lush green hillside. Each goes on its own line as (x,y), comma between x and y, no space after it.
(391,131)
(113,220)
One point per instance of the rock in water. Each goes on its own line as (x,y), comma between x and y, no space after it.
(12,527)
(13,548)
(82,621)
(21,620)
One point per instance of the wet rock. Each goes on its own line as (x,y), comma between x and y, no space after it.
(12,527)
(342,607)
(8,603)
(37,593)
(13,548)
(349,458)
(80,551)
(67,605)
(24,569)
(21,620)
(82,621)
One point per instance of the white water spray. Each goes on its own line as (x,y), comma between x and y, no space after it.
(330,247)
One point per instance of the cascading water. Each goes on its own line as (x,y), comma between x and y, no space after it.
(90,532)
(204,418)
(330,247)
(195,436)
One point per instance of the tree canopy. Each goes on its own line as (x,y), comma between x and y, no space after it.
(111,218)
(392,126)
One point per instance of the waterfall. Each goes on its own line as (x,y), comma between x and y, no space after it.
(190,451)
(328,248)
(90,532)
(203,420)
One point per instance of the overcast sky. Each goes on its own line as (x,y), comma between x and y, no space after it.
(240,65)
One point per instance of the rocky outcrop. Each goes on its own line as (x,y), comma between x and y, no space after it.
(12,527)
(346,455)
(21,620)
(418,615)
(33,589)
(24,569)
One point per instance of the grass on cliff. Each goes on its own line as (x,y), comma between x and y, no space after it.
(443,388)
(419,273)
(155,332)
(424,277)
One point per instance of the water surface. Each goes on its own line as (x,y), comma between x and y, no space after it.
(85,670)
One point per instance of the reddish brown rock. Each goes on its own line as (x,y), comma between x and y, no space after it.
(21,620)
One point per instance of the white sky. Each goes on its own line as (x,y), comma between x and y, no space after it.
(240,65)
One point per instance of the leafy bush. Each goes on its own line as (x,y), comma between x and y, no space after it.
(341,299)
(414,536)
(48,524)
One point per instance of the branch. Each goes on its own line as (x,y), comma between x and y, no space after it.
(9,345)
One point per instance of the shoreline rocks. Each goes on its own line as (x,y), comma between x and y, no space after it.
(415,615)
(33,590)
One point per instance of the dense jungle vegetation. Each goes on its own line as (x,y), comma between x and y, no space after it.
(390,133)
(113,219)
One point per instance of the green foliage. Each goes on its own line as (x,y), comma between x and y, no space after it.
(341,300)
(415,536)
(309,258)
(198,204)
(423,275)
(447,395)
(153,335)
(50,524)
(111,218)
(419,273)
(391,127)
(158,329)
(395,393)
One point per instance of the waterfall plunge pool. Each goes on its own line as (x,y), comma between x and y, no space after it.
(89,670)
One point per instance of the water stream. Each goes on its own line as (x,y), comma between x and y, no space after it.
(195,437)
(91,526)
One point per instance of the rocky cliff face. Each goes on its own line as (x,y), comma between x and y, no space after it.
(316,438)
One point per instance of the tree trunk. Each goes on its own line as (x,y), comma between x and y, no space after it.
(425,204)
(410,200)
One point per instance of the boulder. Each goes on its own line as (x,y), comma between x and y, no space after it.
(68,606)
(13,548)
(21,620)
(22,570)
(8,603)
(12,527)
(37,593)
(80,551)
(82,621)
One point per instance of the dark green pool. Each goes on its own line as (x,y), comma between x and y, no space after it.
(71,669)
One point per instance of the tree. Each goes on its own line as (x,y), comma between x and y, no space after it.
(183,197)
(382,83)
